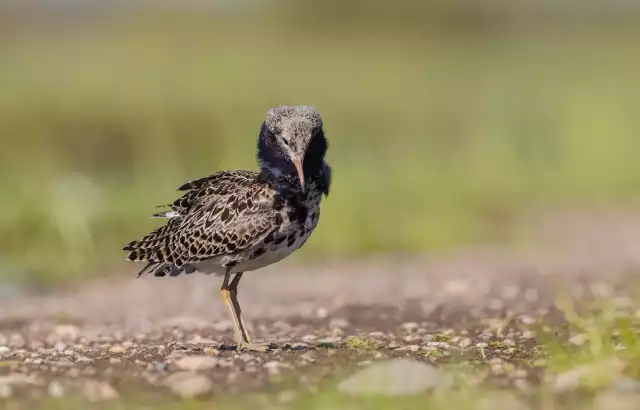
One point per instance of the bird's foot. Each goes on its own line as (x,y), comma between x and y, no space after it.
(255,347)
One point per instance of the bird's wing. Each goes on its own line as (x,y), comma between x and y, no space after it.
(222,214)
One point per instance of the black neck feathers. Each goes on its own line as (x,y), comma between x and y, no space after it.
(276,165)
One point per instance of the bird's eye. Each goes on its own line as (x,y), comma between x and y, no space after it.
(286,142)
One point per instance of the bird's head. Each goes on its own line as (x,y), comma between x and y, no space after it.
(292,142)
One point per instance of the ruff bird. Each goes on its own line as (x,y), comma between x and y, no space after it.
(232,222)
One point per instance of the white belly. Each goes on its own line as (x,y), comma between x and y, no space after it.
(266,259)
(274,254)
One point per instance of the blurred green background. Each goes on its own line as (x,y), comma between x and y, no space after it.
(448,121)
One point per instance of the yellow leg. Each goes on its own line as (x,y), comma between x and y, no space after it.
(233,289)
(230,296)
(226,297)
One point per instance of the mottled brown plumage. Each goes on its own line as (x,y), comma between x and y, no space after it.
(224,214)
(237,221)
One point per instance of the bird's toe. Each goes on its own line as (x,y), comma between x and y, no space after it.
(255,347)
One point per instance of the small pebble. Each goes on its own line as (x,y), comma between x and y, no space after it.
(299,346)
(322,312)
(188,385)
(55,389)
(273,367)
(410,326)
(527,334)
(579,340)
(464,343)
(340,323)
(117,349)
(96,391)
(409,348)
(527,320)
(195,363)
(509,342)
(308,357)
(60,346)
(210,351)
(393,345)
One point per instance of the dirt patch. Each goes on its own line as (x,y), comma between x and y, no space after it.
(482,307)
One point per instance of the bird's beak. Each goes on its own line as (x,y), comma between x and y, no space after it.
(298,164)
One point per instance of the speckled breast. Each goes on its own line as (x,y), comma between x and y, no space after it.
(291,235)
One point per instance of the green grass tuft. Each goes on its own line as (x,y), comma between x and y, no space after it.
(358,343)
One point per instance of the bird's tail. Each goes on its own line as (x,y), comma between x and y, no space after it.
(164,269)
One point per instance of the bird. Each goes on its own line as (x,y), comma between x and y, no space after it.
(232,222)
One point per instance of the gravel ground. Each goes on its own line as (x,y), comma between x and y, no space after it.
(480,306)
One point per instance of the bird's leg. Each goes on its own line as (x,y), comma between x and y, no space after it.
(242,336)
(233,290)
(226,298)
